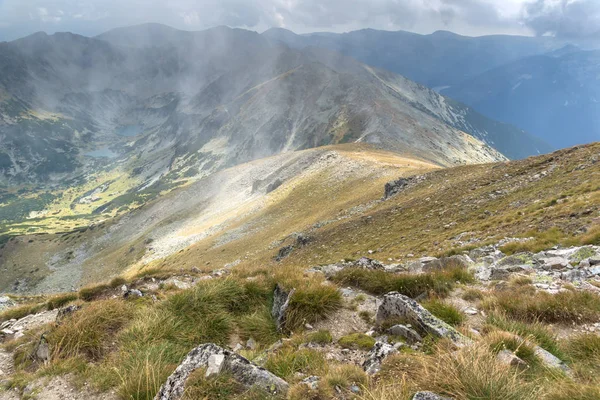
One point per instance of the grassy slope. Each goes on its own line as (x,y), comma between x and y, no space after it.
(481,202)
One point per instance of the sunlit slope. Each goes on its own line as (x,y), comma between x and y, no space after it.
(553,198)
(265,199)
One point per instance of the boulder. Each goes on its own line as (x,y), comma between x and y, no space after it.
(395,187)
(499,274)
(367,263)
(281,301)
(407,333)
(594,260)
(429,396)
(378,353)
(550,360)
(208,356)
(396,305)
(133,293)
(554,263)
(573,275)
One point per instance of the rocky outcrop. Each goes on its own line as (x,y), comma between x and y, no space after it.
(5,302)
(396,305)
(281,301)
(399,185)
(378,353)
(217,360)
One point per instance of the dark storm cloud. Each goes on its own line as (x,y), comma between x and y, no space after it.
(563,18)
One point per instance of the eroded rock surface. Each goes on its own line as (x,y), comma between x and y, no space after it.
(396,305)
(208,355)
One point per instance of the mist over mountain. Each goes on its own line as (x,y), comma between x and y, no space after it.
(164,100)
(544,85)
(436,60)
(554,96)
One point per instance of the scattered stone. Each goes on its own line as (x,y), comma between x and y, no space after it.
(281,301)
(238,347)
(308,327)
(396,305)
(133,293)
(406,332)
(367,263)
(178,284)
(355,389)
(251,344)
(66,311)
(471,311)
(5,302)
(242,370)
(312,382)
(378,353)
(507,357)
(574,275)
(429,396)
(499,274)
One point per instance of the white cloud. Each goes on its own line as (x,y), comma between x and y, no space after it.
(474,17)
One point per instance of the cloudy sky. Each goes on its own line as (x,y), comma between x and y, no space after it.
(567,18)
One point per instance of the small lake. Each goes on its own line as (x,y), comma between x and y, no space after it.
(129,130)
(101,153)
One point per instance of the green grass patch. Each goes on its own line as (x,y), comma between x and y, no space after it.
(444,311)
(379,282)
(357,341)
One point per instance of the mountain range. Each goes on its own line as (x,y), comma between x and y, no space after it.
(163,101)
(544,85)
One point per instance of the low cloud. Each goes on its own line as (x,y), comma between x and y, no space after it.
(563,18)
(471,17)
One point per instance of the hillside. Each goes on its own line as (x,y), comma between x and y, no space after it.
(194,103)
(319,281)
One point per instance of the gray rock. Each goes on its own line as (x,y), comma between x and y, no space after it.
(595,270)
(312,382)
(251,344)
(66,311)
(554,263)
(499,274)
(407,333)
(594,260)
(395,187)
(215,365)
(42,350)
(574,275)
(550,360)
(133,293)
(429,396)
(242,370)
(281,301)
(5,302)
(396,305)
(378,353)
(507,357)
(367,263)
